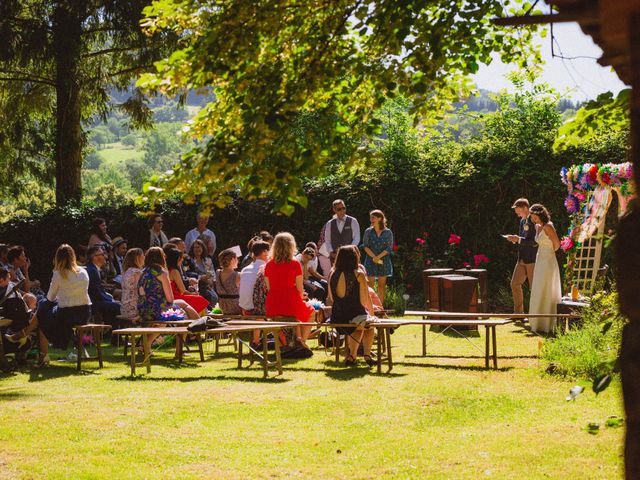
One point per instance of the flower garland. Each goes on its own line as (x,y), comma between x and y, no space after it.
(581,179)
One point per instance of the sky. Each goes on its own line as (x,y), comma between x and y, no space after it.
(577,79)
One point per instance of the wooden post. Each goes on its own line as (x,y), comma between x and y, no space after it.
(628,273)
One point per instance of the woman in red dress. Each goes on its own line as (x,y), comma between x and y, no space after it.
(283,278)
(198,302)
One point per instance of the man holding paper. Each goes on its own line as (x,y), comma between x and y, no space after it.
(527,251)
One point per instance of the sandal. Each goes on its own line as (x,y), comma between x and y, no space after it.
(18,337)
(43,360)
(350,361)
(370,361)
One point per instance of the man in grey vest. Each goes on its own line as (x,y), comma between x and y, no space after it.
(341,230)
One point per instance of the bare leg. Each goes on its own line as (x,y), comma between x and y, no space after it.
(367,341)
(382,287)
(353,340)
(43,344)
(188,309)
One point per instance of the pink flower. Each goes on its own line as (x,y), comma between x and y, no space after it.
(87,340)
(454,239)
(395,247)
(466,264)
(479,259)
(420,241)
(566,244)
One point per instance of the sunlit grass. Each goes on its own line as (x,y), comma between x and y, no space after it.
(440,417)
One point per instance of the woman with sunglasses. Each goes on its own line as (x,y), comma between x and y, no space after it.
(157,237)
(314,284)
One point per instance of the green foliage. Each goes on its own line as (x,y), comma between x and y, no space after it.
(591,350)
(110,194)
(606,113)
(273,62)
(62,58)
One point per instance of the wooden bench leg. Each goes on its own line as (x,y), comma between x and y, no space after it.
(487,352)
(379,351)
(98,339)
(277,347)
(146,346)
(239,353)
(424,340)
(79,334)
(133,354)
(336,344)
(495,347)
(265,353)
(387,333)
(200,349)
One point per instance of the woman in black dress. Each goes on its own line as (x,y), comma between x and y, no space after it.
(351,303)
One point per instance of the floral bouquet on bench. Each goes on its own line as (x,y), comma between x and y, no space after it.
(172,314)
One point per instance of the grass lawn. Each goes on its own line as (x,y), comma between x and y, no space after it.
(440,417)
(116,153)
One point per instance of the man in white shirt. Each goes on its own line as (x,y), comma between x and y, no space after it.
(249,274)
(203,233)
(341,230)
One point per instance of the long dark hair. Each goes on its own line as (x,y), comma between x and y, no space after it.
(347,258)
(192,253)
(173,258)
(540,211)
(155,258)
(96,230)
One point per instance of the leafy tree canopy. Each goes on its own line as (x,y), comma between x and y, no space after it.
(274,63)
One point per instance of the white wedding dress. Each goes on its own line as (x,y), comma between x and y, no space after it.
(546,291)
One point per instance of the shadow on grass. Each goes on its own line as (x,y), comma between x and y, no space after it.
(59,371)
(459,333)
(144,378)
(474,368)
(8,394)
(469,356)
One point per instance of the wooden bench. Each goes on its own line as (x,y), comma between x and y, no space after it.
(97,331)
(181,332)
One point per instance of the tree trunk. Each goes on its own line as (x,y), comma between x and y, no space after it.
(67,30)
(628,276)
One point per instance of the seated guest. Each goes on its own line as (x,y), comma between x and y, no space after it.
(260,251)
(157,238)
(203,267)
(6,285)
(99,235)
(349,293)
(132,266)
(180,292)
(19,271)
(4,260)
(101,300)
(155,293)
(228,283)
(19,266)
(67,304)
(117,258)
(201,232)
(248,276)
(314,284)
(187,269)
(248,258)
(283,277)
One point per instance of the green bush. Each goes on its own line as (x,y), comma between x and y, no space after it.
(589,351)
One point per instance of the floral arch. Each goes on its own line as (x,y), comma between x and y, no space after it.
(590,190)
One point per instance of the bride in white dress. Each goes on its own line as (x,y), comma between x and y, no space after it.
(546,290)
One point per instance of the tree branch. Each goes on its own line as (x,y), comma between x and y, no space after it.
(38,78)
(27,79)
(115,50)
(138,68)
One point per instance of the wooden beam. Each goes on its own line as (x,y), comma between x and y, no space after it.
(536,19)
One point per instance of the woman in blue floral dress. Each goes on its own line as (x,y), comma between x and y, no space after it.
(378,246)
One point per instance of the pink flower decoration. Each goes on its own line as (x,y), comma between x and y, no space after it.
(566,244)
(395,247)
(466,264)
(454,239)
(480,259)
(87,340)
(420,241)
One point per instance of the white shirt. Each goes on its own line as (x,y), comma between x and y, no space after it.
(72,291)
(248,277)
(193,235)
(313,263)
(355,228)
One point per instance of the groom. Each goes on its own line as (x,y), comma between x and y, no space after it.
(527,251)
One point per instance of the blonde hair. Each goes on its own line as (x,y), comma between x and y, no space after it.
(130,258)
(65,260)
(283,248)
(225,257)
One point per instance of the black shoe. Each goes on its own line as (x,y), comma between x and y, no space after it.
(370,361)
(350,361)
